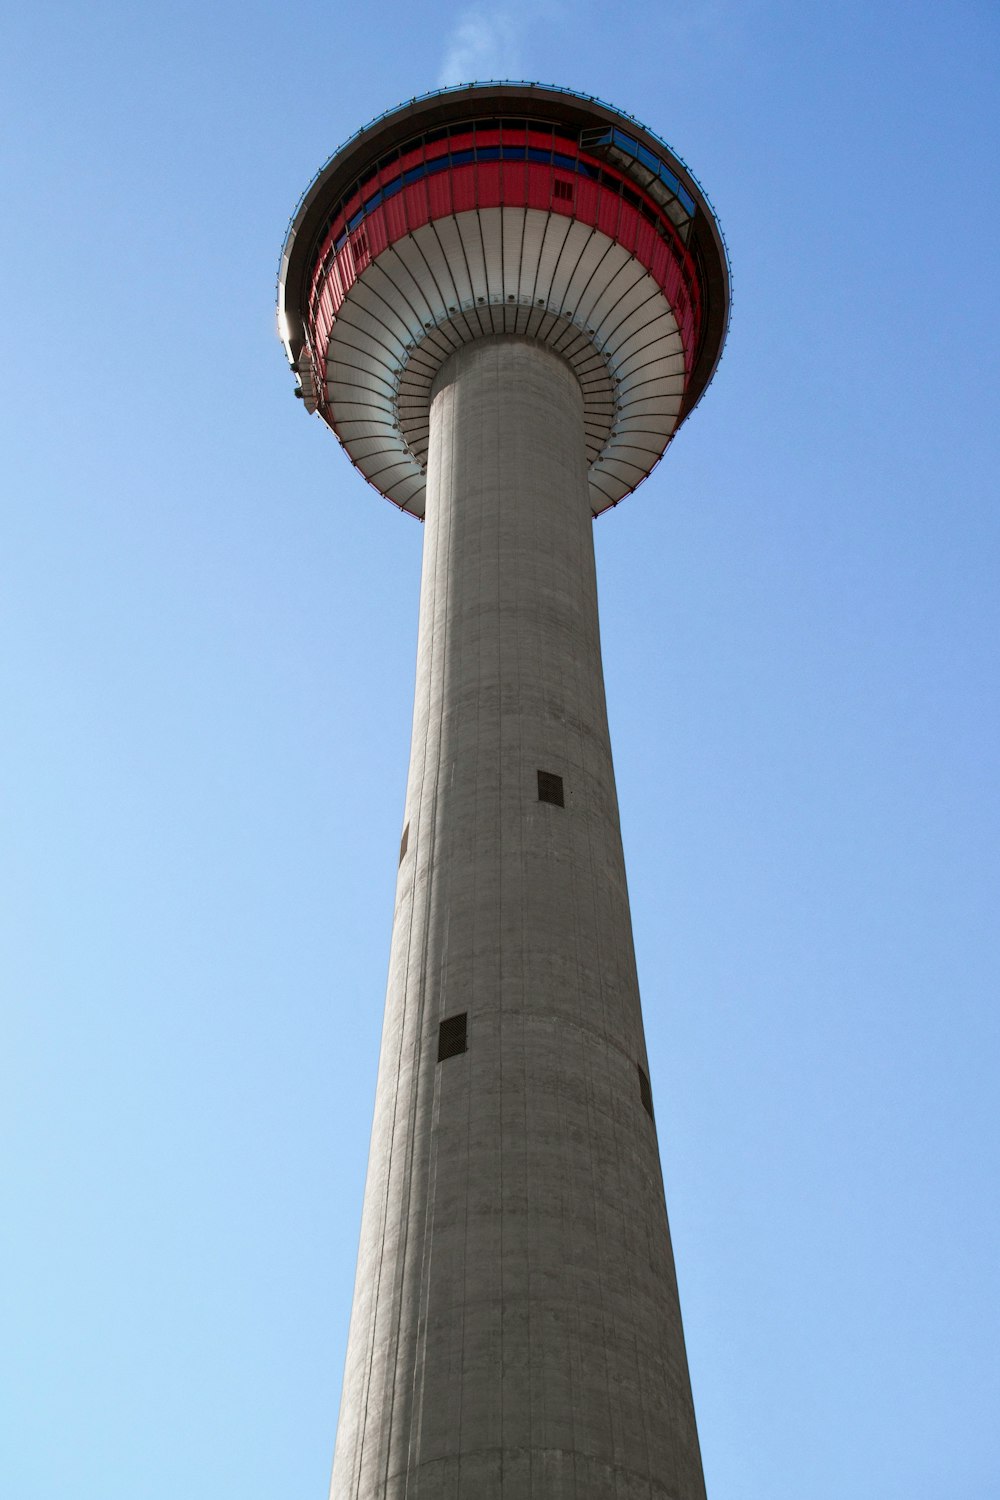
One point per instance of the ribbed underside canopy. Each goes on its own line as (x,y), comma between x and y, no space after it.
(502,270)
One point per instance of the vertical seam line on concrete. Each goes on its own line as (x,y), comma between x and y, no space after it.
(523,1031)
(454,543)
(500,944)
(601,968)
(624,1218)
(403,1009)
(437,541)
(584,539)
(575,759)
(442,552)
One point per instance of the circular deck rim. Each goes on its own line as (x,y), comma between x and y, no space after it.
(543,101)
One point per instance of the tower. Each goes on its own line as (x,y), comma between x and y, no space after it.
(504,300)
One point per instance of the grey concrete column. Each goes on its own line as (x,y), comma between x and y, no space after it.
(516,1330)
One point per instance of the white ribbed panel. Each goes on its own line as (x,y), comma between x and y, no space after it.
(516,1333)
(498,270)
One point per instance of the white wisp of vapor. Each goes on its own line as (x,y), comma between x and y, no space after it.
(481,46)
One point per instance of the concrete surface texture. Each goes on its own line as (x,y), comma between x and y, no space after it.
(516,1330)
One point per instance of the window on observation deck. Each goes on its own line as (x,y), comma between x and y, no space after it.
(645,168)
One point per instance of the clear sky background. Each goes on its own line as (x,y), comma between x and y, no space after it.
(208,639)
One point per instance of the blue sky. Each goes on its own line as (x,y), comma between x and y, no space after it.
(207,637)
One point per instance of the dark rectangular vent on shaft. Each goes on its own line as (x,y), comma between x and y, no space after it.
(403,842)
(451,1036)
(550,788)
(561,189)
(645,1093)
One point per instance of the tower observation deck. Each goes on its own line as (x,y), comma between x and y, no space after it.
(504,300)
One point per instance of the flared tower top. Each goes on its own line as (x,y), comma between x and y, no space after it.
(503,208)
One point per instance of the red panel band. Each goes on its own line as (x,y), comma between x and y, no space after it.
(495,184)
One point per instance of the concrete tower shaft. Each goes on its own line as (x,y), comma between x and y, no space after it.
(504,300)
(516,1328)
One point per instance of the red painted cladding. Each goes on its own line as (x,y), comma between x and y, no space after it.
(378,238)
(492,184)
(489,183)
(415,202)
(393,215)
(463,189)
(439,193)
(608,207)
(587,195)
(537,190)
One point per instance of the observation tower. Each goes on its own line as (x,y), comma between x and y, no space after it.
(504,299)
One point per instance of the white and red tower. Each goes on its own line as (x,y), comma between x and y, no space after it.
(504,299)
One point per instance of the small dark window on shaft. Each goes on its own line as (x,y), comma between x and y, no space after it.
(451,1036)
(404,841)
(645,1093)
(550,788)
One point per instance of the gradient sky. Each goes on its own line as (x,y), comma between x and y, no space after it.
(206,665)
